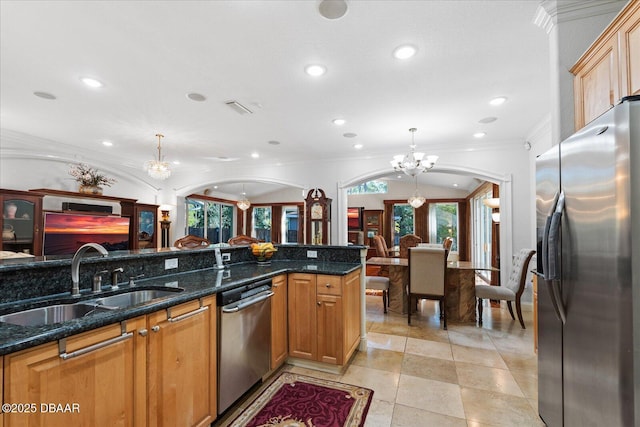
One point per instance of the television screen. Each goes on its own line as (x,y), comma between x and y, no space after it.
(354,218)
(64,233)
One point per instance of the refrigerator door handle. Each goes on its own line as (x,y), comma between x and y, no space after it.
(553,273)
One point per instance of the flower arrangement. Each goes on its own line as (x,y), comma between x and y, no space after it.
(89,177)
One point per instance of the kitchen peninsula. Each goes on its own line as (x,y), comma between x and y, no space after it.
(169,343)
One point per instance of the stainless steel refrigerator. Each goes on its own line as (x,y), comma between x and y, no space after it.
(588,229)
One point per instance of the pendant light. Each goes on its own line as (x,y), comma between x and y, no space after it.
(158,169)
(416,200)
(243,203)
(413,163)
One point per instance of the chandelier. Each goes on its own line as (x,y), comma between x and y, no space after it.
(158,169)
(416,200)
(243,203)
(413,163)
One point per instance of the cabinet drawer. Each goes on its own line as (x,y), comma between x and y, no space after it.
(329,285)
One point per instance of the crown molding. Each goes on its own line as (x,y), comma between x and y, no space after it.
(552,12)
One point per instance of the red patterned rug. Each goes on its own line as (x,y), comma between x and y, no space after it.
(299,401)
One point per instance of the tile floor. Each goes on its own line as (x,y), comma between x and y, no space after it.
(423,375)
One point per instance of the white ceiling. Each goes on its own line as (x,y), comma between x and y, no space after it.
(150,54)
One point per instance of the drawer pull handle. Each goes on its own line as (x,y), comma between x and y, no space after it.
(155,328)
(328,285)
(187,315)
(66,356)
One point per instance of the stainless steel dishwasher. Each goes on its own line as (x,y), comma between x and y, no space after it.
(244,340)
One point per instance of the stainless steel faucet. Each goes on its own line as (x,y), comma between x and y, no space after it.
(75,265)
(114,278)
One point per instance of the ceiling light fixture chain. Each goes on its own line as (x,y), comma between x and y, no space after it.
(158,169)
(413,163)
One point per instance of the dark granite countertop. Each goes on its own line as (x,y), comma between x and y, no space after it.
(196,284)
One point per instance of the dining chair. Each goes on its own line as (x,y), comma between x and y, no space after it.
(191,242)
(427,269)
(242,239)
(379,283)
(408,241)
(512,291)
(381,251)
(447,242)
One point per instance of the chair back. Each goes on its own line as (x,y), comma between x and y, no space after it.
(448,241)
(242,239)
(408,241)
(191,242)
(381,246)
(427,269)
(519,271)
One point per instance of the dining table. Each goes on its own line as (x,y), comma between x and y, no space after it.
(460,280)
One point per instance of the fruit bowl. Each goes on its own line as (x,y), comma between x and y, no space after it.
(263,251)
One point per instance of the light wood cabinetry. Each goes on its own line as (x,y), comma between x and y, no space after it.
(21,222)
(279,330)
(88,384)
(610,68)
(324,316)
(181,365)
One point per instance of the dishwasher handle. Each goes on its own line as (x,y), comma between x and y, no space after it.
(235,307)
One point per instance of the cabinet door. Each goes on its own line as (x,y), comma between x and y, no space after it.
(279,342)
(21,223)
(596,84)
(351,296)
(372,225)
(302,321)
(330,326)
(181,365)
(100,387)
(630,53)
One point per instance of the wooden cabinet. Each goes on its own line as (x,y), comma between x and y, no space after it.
(144,227)
(96,378)
(181,366)
(324,316)
(21,222)
(279,330)
(372,224)
(610,69)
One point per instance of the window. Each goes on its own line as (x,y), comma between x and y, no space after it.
(369,187)
(403,222)
(289,224)
(481,229)
(218,218)
(262,223)
(443,222)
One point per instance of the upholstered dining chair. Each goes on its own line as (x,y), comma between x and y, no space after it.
(446,243)
(408,241)
(191,242)
(379,283)
(512,291)
(382,250)
(242,239)
(427,269)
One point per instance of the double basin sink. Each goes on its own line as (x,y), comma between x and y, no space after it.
(63,312)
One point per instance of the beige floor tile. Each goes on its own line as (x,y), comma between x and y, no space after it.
(520,361)
(485,378)
(429,367)
(375,358)
(380,414)
(406,416)
(478,356)
(435,396)
(528,381)
(428,348)
(471,338)
(391,328)
(384,384)
(429,333)
(492,408)
(312,373)
(386,341)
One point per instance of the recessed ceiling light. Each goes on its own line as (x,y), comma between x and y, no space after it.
(404,51)
(358,146)
(498,100)
(332,9)
(196,97)
(44,95)
(479,134)
(107,143)
(176,162)
(487,120)
(399,177)
(215,187)
(339,122)
(255,155)
(349,135)
(455,184)
(315,70)
(91,82)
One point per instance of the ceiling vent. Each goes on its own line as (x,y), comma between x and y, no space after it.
(238,108)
